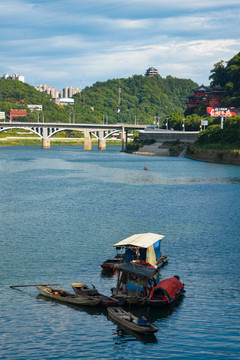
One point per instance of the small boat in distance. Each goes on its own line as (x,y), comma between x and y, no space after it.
(129,321)
(67,297)
(83,289)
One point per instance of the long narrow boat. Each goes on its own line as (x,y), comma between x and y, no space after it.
(83,289)
(67,297)
(129,321)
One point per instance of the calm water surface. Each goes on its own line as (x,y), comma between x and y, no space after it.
(60,211)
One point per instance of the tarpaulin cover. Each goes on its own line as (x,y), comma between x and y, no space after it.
(171,287)
(138,270)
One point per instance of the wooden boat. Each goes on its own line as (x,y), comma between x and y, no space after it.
(166,292)
(67,297)
(110,263)
(129,321)
(132,283)
(83,289)
(143,247)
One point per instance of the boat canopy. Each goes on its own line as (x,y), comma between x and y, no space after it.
(170,287)
(138,270)
(143,246)
(140,240)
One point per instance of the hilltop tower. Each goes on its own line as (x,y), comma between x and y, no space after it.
(151,72)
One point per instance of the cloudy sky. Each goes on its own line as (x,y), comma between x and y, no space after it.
(78,42)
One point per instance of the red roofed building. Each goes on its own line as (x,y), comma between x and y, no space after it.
(17,113)
(206,96)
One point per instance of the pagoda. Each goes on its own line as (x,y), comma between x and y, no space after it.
(151,72)
(207,96)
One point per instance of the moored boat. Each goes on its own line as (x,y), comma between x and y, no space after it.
(83,289)
(166,292)
(67,297)
(143,247)
(129,321)
(133,283)
(110,263)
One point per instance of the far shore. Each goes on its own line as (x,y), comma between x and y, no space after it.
(230,157)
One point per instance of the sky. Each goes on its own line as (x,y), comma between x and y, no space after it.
(79,42)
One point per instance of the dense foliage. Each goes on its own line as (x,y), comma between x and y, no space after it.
(138,99)
(17,95)
(229,77)
(226,138)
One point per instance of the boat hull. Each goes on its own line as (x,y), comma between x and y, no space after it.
(93,293)
(126,320)
(66,297)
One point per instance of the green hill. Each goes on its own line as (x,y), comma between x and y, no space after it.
(17,95)
(228,76)
(137,99)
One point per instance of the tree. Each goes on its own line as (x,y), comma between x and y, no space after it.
(219,74)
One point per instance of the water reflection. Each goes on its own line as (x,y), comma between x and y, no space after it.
(121,335)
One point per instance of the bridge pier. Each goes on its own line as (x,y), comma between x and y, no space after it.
(101,141)
(87,141)
(46,143)
(123,138)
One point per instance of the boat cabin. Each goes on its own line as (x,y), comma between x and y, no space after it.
(143,248)
(133,283)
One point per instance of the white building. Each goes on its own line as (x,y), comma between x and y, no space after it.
(13,77)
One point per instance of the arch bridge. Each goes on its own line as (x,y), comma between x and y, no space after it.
(100,131)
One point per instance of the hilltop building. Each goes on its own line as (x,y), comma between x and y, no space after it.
(206,96)
(151,72)
(13,77)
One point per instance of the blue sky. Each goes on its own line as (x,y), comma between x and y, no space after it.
(78,42)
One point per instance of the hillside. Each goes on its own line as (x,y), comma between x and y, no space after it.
(15,94)
(228,76)
(137,99)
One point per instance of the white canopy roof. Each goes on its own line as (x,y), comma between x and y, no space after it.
(140,240)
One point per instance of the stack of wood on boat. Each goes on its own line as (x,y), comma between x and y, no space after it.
(83,289)
(129,321)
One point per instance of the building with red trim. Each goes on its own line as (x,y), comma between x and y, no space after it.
(17,113)
(151,72)
(207,96)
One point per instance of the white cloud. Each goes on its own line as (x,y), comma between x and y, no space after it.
(61,41)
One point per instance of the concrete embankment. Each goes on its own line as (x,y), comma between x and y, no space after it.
(153,150)
(231,157)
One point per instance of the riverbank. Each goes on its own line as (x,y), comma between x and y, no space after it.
(33,141)
(231,157)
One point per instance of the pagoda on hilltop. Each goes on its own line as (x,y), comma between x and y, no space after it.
(207,96)
(151,72)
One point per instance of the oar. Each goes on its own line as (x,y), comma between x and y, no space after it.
(14,286)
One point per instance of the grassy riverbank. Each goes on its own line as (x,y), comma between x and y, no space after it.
(54,141)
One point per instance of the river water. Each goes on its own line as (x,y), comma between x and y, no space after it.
(60,211)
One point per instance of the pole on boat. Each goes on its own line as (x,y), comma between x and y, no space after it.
(15,286)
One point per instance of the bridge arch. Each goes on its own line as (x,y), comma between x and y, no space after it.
(23,128)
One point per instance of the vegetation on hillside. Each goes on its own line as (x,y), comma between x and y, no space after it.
(17,95)
(228,76)
(216,138)
(138,99)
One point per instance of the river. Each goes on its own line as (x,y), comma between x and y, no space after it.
(62,208)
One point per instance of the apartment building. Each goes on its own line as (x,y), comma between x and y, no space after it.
(13,77)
